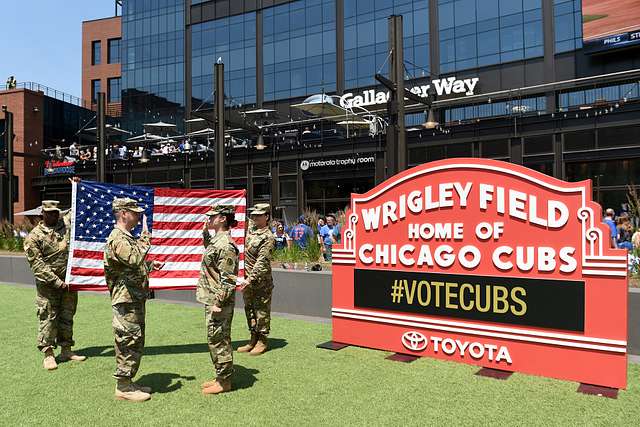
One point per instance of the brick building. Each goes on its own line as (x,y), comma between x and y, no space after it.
(43,118)
(101,62)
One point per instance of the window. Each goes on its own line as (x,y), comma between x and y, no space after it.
(366,31)
(518,107)
(114,90)
(232,39)
(95,88)
(568,25)
(152,58)
(96,51)
(114,51)
(299,49)
(476,33)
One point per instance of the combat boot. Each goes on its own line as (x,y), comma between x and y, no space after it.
(49,362)
(125,390)
(248,347)
(208,383)
(142,388)
(260,347)
(66,354)
(219,386)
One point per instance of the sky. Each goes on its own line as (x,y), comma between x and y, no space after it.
(41,40)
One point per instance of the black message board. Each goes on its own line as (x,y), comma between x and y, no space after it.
(553,304)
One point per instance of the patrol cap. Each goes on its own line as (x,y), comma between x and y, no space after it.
(50,206)
(221,210)
(125,204)
(260,209)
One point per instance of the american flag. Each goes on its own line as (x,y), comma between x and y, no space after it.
(175,219)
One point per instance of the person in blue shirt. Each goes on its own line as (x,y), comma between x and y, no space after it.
(283,241)
(609,216)
(329,234)
(301,233)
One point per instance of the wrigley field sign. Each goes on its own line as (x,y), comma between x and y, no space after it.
(487,263)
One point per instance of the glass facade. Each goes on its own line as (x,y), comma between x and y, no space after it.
(497,108)
(476,33)
(152,62)
(114,51)
(299,42)
(568,25)
(366,33)
(233,40)
(96,51)
(114,89)
(577,98)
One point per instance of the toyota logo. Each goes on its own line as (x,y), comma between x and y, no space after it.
(304,165)
(414,341)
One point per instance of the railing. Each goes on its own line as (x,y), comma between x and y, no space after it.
(50,92)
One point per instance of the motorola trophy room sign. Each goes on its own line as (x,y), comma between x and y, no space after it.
(487,263)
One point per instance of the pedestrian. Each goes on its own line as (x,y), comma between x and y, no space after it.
(624,233)
(329,235)
(282,239)
(609,216)
(47,251)
(127,276)
(321,223)
(301,233)
(257,286)
(216,290)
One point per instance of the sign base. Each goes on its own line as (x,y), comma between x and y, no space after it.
(332,345)
(399,357)
(596,390)
(497,374)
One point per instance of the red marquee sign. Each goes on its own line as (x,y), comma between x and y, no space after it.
(487,263)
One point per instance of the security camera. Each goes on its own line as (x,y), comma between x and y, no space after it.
(4,108)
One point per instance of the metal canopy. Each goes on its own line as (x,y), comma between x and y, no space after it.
(354,123)
(201,132)
(321,106)
(33,212)
(145,137)
(259,111)
(110,130)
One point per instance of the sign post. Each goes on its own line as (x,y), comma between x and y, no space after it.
(486,263)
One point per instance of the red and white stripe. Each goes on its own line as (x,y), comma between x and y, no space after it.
(176,240)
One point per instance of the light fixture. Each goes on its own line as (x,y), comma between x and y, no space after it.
(145,157)
(431,122)
(260,144)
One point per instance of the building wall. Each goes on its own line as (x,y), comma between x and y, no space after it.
(27,108)
(102,30)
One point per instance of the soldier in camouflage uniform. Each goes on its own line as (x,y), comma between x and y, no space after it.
(127,275)
(47,250)
(216,290)
(257,287)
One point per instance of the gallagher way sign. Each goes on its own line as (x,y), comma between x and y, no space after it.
(442,87)
(487,263)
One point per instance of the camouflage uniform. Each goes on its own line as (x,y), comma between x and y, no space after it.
(127,276)
(259,247)
(47,250)
(216,287)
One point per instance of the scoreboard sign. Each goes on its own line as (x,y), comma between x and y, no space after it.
(487,263)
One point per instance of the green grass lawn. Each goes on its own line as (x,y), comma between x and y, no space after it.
(293,384)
